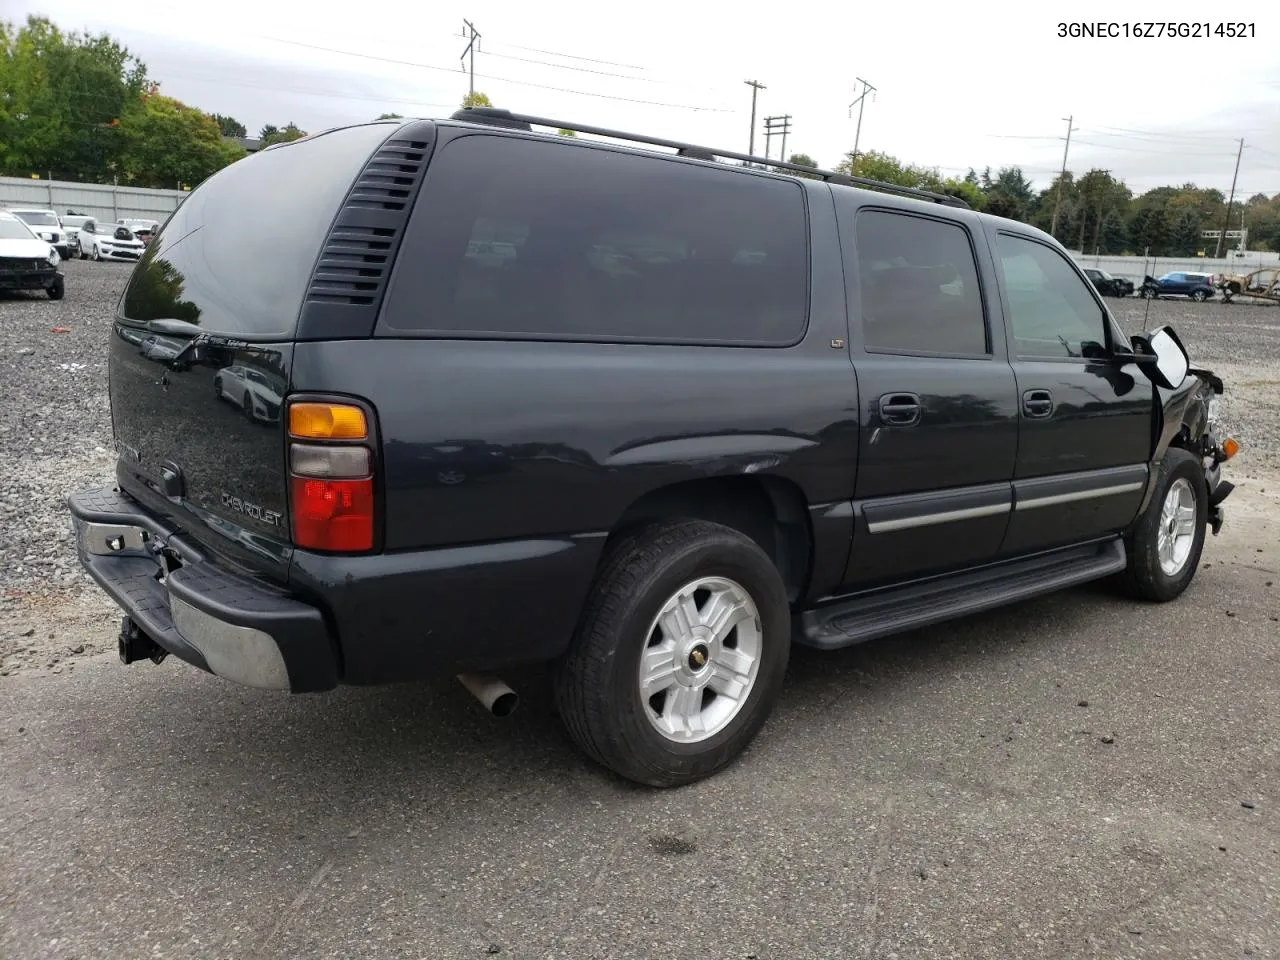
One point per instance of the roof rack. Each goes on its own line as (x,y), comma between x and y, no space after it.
(494,116)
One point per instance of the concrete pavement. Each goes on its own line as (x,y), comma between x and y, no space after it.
(1076,776)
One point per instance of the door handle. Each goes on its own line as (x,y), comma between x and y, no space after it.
(1037,403)
(900,409)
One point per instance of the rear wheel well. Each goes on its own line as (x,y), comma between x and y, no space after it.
(770,510)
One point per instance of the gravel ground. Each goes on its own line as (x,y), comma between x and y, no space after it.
(56,434)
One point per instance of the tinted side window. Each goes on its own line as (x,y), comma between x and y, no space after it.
(919,283)
(1053,311)
(524,238)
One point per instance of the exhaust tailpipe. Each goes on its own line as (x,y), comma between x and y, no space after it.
(497,697)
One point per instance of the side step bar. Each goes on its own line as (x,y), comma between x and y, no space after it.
(842,623)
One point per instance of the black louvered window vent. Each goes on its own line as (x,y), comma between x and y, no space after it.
(353,267)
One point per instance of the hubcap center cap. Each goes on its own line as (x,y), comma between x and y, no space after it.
(699,656)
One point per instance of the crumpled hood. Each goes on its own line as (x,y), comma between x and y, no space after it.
(36,249)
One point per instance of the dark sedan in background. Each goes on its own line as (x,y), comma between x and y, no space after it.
(1107,285)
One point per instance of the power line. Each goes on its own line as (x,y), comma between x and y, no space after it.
(1181,153)
(570,56)
(565,66)
(482,76)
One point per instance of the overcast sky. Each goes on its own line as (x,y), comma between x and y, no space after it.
(957,85)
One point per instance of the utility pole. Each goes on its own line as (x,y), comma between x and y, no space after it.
(1227,224)
(860,102)
(473,44)
(756,86)
(1097,230)
(1057,203)
(776,125)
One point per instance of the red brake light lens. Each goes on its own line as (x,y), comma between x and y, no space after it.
(333,514)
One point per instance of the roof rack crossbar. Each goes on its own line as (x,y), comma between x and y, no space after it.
(491,114)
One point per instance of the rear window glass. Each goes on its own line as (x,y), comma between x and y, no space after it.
(237,255)
(530,239)
(919,285)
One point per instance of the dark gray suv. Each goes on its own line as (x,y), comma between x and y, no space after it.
(645,412)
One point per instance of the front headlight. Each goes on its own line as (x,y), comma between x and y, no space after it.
(53,257)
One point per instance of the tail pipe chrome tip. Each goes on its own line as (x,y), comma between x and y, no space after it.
(498,698)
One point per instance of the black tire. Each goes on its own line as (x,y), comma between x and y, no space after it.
(247,405)
(1199,296)
(597,681)
(57,290)
(1144,579)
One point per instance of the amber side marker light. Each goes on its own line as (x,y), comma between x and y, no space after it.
(1230,447)
(327,421)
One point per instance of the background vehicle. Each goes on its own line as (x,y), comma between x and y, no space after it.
(27,262)
(1108,285)
(1261,284)
(46,226)
(144,230)
(1197,286)
(110,241)
(689,414)
(71,223)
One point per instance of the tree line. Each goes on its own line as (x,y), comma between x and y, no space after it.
(82,107)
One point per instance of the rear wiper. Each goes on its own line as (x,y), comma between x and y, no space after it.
(174,325)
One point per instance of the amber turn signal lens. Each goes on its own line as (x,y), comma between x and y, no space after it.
(327,421)
(1230,448)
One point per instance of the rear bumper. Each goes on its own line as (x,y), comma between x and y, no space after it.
(237,628)
(374,619)
(110,253)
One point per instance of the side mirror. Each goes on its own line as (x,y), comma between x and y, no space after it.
(1164,357)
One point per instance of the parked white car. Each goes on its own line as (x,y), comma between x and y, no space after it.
(71,224)
(45,225)
(109,241)
(26,261)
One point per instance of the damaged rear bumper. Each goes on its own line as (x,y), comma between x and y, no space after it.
(240,629)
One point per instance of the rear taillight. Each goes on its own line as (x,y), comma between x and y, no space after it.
(331,483)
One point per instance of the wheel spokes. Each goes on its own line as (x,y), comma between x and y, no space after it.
(658,668)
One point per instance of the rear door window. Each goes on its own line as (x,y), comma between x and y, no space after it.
(919,286)
(528,239)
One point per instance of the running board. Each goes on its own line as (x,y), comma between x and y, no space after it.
(842,623)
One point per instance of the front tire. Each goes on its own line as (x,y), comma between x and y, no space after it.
(680,653)
(1199,296)
(1165,546)
(57,290)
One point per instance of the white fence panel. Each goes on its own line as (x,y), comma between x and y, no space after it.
(102,200)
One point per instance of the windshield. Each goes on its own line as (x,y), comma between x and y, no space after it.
(37,219)
(14,230)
